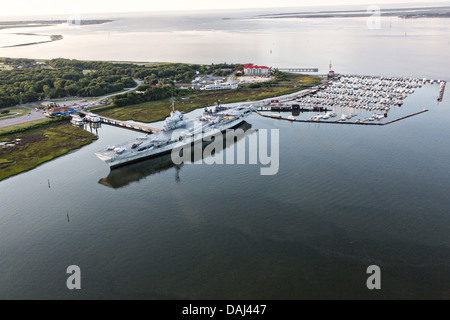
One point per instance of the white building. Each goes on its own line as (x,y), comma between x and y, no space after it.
(251,70)
(219,85)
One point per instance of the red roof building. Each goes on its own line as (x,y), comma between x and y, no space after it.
(251,69)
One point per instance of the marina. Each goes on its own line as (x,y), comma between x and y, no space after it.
(352,99)
(362,93)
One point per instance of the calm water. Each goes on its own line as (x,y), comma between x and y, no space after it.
(345,197)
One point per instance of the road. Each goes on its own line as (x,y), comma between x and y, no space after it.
(96,102)
(122,92)
(36,115)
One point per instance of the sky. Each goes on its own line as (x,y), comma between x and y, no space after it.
(48,7)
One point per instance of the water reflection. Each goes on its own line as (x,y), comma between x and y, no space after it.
(123,176)
(93,127)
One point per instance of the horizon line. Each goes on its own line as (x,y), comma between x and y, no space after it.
(418,5)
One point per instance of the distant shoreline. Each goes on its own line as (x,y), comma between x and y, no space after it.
(53,37)
(404,13)
(43,23)
(46,23)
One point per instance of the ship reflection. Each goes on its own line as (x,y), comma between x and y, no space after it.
(123,176)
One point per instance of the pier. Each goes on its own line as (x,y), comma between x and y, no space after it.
(294,107)
(408,116)
(125,124)
(344,122)
(128,125)
(299,69)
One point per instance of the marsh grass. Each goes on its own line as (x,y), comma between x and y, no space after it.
(39,145)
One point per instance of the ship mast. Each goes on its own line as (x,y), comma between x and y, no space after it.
(172,100)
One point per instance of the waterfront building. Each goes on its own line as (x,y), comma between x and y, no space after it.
(252,70)
(219,85)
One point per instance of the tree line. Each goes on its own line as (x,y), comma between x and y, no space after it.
(29,81)
(150,94)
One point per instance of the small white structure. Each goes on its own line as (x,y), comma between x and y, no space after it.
(90,117)
(219,85)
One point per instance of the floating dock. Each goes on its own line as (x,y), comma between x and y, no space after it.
(345,122)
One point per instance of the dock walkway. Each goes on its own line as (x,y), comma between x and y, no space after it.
(345,122)
(125,124)
(128,125)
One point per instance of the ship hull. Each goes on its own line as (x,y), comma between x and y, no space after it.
(145,155)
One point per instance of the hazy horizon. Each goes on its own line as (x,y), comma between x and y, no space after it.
(62,8)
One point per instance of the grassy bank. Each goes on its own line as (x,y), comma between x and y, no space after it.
(158,110)
(21,127)
(38,145)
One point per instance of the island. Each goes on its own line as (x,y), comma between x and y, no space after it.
(404,13)
(43,23)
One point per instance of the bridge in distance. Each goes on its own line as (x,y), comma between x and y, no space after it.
(299,69)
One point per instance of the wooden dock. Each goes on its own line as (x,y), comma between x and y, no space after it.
(125,124)
(128,125)
(301,70)
(345,122)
